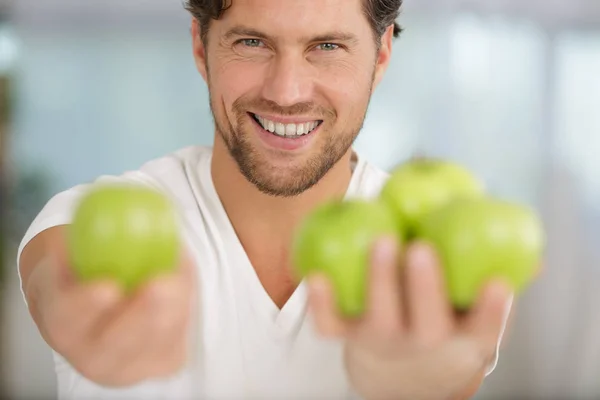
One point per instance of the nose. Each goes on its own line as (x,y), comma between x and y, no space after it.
(289,80)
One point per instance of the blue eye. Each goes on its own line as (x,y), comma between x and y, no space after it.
(252,42)
(328,46)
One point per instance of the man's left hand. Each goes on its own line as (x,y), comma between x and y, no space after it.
(411,344)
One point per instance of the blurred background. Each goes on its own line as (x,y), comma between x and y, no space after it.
(511,88)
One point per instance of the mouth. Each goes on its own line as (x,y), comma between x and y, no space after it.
(288,130)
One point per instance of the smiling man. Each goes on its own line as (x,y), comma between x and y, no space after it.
(289,83)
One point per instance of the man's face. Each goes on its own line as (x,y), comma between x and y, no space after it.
(289,83)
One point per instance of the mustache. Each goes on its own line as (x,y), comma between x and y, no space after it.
(241,105)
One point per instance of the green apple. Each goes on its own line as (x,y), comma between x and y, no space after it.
(421,185)
(124,233)
(482,239)
(337,239)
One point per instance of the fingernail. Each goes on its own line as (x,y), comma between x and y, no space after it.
(385,250)
(317,284)
(419,256)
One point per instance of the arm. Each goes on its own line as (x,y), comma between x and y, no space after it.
(46,236)
(48,244)
(78,320)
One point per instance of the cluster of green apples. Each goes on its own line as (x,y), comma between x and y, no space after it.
(477,236)
(124,233)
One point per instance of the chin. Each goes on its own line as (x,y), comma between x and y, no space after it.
(283,172)
(281,179)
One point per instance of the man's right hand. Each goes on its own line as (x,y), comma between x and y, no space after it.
(111,339)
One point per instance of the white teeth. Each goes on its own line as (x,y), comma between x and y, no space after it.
(290,129)
(280,129)
(287,130)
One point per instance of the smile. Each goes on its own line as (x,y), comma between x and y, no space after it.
(292,129)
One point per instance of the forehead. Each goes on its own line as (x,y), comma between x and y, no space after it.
(297,17)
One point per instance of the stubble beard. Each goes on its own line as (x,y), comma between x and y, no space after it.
(254,164)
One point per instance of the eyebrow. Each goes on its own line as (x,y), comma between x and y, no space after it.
(244,31)
(333,36)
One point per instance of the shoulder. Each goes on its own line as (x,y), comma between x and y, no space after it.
(179,162)
(175,174)
(178,158)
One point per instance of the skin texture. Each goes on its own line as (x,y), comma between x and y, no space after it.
(285,70)
(293,59)
(109,338)
(281,64)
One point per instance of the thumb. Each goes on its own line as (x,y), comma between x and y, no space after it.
(487,321)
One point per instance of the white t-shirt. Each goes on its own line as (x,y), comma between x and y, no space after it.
(245,347)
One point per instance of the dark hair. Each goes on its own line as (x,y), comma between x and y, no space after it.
(381,14)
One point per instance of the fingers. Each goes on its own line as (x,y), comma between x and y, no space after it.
(384,307)
(323,306)
(154,319)
(172,358)
(80,307)
(161,347)
(172,346)
(385,314)
(111,338)
(430,314)
(487,321)
(70,311)
(427,313)
(116,343)
(171,314)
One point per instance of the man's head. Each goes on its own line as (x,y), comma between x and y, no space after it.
(380,14)
(290,80)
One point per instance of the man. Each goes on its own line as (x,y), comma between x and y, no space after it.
(289,82)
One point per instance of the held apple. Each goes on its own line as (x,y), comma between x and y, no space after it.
(127,233)
(421,185)
(478,240)
(337,240)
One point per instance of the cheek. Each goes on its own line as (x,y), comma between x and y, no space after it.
(234,79)
(347,85)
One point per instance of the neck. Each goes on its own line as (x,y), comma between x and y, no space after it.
(258,217)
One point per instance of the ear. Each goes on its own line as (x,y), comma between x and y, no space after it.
(384,55)
(199,49)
